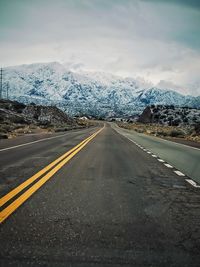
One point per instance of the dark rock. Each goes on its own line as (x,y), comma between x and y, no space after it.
(3,136)
(146,116)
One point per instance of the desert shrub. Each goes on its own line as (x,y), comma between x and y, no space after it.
(155,110)
(170,119)
(195,119)
(176,133)
(36,116)
(160,106)
(32,126)
(190,131)
(172,107)
(156,116)
(44,123)
(19,126)
(3,130)
(18,107)
(57,130)
(197,128)
(19,120)
(175,122)
(162,133)
(163,116)
(21,130)
(139,130)
(6,128)
(3,136)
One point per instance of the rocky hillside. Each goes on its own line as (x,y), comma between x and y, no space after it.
(17,118)
(170,115)
(167,122)
(95,94)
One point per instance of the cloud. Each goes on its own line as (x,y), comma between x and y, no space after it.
(190,3)
(156,39)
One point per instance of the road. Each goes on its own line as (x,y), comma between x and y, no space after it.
(182,157)
(107,203)
(19,161)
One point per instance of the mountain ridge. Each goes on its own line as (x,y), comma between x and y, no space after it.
(92,94)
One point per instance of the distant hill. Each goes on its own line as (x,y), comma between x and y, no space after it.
(17,118)
(95,94)
(170,115)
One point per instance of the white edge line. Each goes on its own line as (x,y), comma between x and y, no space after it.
(168,165)
(160,160)
(132,141)
(170,141)
(33,142)
(193,183)
(179,173)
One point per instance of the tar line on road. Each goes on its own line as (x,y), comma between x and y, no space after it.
(38,180)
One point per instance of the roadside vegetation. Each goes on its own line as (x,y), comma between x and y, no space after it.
(164,131)
(19,119)
(167,122)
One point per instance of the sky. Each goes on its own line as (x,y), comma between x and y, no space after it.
(158,40)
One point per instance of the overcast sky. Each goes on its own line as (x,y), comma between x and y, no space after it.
(155,39)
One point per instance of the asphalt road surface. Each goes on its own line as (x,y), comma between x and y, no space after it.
(106,203)
(183,157)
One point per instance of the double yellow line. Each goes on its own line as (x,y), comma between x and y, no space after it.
(49,171)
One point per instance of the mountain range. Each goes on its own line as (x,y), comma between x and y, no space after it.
(87,93)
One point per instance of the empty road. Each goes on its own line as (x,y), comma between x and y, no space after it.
(184,158)
(94,197)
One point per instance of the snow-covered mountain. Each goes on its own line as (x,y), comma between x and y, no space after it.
(98,94)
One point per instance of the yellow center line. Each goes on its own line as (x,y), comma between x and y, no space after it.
(21,199)
(36,176)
